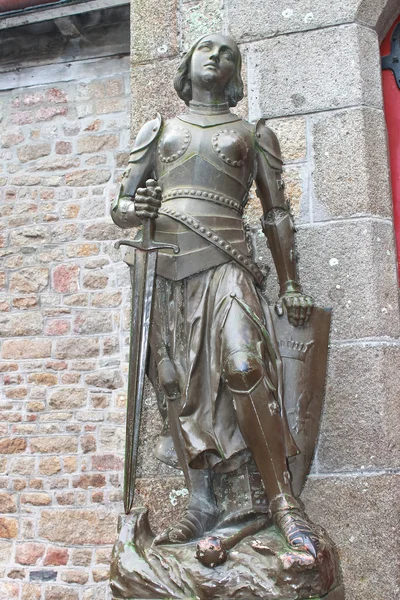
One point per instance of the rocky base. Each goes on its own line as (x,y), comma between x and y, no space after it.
(259,566)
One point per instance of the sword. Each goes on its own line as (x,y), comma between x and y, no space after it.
(142,260)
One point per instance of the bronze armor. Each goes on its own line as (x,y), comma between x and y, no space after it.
(197,166)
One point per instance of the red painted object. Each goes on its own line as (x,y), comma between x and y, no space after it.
(391,97)
(16,5)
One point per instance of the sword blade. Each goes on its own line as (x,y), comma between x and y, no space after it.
(143,279)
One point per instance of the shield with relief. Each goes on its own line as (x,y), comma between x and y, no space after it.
(304,352)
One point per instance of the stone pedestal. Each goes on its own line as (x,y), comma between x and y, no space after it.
(259,566)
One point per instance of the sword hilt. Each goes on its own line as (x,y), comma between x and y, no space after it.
(147,243)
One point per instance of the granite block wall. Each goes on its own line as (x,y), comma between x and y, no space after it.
(313,69)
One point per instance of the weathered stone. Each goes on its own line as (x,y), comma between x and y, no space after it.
(66,278)
(9,590)
(6,549)
(68,398)
(8,528)
(104,105)
(92,206)
(56,557)
(82,557)
(38,348)
(50,112)
(360,426)
(291,134)
(50,465)
(57,327)
(152,92)
(161,38)
(47,379)
(54,445)
(56,96)
(88,443)
(87,177)
(198,19)
(12,138)
(102,231)
(89,481)
(75,576)
(76,348)
(25,302)
(78,526)
(112,439)
(29,280)
(22,465)
(43,575)
(95,281)
(12,445)
(108,379)
(269,18)
(93,321)
(55,163)
(29,553)
(63,147)
(349,150)
(107,299)
(61,593)
(101,574)
(29,323)
(97,143)
(36,499)
(16,393)
(30,236)
(362,518)
(107,462)
(329,273)
(342,52)
(33,151)
(77,300)
(30,591)
(64,233)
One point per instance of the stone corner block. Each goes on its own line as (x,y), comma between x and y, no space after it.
(313,71)
(350,167)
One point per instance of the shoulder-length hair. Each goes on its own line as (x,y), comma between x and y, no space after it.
(183,84)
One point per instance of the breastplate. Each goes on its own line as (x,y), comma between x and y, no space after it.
(204,170)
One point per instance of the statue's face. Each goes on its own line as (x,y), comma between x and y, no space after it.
(214,61)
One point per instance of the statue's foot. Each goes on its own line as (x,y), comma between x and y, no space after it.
(192,525)
(293,524)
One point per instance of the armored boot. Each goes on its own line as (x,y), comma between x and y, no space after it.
(259,418)
(200,515)
(201,512)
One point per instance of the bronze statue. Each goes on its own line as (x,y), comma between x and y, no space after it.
(216,356)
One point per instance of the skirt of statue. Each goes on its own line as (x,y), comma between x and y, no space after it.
(195,320)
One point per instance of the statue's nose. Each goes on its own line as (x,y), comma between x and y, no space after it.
(214,55)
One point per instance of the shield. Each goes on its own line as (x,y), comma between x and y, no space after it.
(304,352)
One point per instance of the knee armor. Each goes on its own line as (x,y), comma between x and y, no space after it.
(243,371)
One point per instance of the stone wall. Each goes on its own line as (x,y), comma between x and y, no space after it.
(313,69)
(64,142)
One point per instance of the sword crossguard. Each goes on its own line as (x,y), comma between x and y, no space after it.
(147,243)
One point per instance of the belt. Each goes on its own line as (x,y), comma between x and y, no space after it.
(214,238)
(204,195)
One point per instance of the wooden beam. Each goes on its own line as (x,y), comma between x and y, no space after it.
(69,26)
(43,13)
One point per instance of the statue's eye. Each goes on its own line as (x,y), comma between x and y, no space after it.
(228,55)
(204,46)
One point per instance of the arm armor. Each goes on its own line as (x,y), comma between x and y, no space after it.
(140,168)
(277,222)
